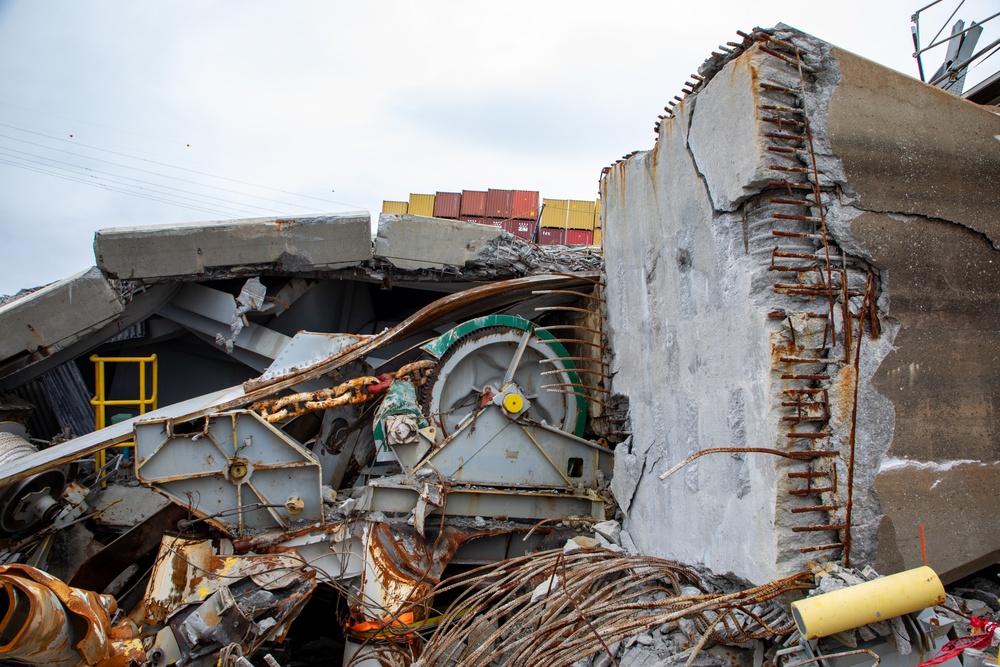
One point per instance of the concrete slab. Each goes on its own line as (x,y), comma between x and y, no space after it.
(235,247)
(726,136)
(58,315)
(411,242)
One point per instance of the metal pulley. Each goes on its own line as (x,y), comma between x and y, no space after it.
(31,502)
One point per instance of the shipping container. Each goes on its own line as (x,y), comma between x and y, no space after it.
(524,205)
(597,236)
(579,237)
(472,218)
(498,203)
(597,214)
(395,207)
(550,236)
(524,229)
(422,205)
(554,213)
(473,203)
(581,215)
(447,205)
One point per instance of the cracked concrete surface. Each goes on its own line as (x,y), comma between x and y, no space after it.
(913,186)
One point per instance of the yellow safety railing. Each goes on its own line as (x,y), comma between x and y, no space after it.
(100,401)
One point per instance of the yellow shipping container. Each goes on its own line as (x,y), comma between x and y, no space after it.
(395,207)
(597,214)
(422,205)
(597,236)
(581,215)
(555,213)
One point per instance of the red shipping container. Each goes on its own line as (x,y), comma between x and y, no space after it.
(524,229)
(525,205)
(472,218)
(473,203)
(498,203)
(549,236)
(447,205)
(579,237)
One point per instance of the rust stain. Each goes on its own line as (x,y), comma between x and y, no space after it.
(281,224)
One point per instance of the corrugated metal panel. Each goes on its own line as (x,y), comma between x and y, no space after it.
(524,205)
(422,205)
(550,236)
(473,203)
(579,237)
(498,203)
(524,229)
(554,213)
(447,205)
(69,398)
(581,214)
(395,207)
(597,236)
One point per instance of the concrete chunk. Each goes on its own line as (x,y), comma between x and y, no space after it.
(726,137)
(56,316)
(235,247)
(411,242)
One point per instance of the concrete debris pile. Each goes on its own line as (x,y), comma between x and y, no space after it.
(454,447)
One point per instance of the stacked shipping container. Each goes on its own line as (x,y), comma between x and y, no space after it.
(569,221)
(562,222)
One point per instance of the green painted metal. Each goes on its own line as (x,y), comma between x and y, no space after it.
(437,348)
(400,399)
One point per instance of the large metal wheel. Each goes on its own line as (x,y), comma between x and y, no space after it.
(477,362)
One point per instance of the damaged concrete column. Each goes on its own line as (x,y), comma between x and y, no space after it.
(802,266)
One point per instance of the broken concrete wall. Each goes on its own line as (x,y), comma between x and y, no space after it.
(923,173)
(860,336)
(691,353)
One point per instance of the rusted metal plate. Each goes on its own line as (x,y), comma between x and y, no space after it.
(50,623)
(101,569)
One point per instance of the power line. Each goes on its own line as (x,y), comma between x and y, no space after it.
(146,171)
(252,210)
(109,188)
(194,171)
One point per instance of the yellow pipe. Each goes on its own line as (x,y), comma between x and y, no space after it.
(872,601)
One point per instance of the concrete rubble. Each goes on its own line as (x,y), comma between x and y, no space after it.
(449,446)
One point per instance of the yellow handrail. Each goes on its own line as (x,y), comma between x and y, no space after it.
(144,402)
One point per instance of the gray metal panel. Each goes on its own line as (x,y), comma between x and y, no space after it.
(492,449)
(237,470)
(385,495)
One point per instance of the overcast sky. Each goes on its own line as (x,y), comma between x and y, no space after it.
(119,112)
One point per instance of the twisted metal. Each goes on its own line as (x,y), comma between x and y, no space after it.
(355,390)
(553,608)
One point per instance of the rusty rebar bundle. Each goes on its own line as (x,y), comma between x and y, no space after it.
(554,608)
